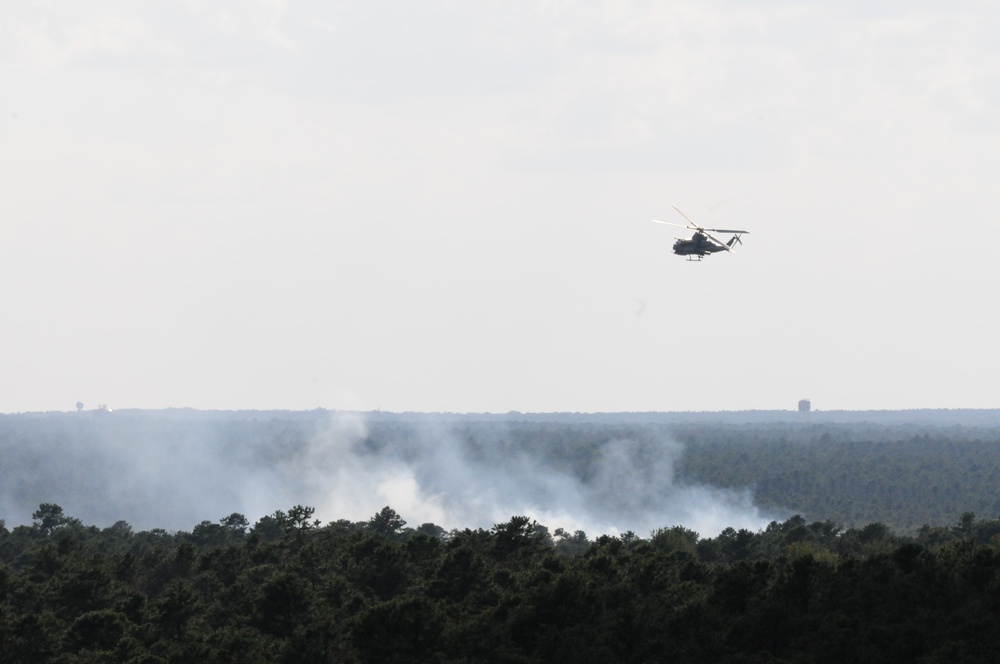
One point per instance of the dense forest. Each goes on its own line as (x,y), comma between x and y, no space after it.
(904,476)
(292,589)
(885,544)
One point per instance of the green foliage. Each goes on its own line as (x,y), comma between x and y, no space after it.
(292,590)
(571,544)
(49,517)
(386,523)
(900,475)
(676,538)
(398,630)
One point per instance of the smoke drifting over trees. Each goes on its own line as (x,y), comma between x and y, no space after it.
(174,469)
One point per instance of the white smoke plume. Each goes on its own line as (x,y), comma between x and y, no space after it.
(436,477)
(172,472)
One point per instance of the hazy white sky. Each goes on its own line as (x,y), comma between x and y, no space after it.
(445,205)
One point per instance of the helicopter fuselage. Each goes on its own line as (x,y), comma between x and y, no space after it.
(698,245)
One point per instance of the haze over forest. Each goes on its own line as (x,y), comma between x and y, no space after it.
(597,473)
(174,470)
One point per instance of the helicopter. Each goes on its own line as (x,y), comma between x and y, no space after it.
(702,243)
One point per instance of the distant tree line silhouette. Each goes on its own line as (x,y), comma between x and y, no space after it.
(904,476)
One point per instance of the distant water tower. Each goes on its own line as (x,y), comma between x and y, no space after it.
(805,406)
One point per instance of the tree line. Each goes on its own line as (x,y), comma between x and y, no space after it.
(905,476)
(290,588)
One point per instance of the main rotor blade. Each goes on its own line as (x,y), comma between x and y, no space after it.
(670,223)
(699,228)
(683,215)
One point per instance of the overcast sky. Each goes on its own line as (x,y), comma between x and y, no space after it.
(445,206)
